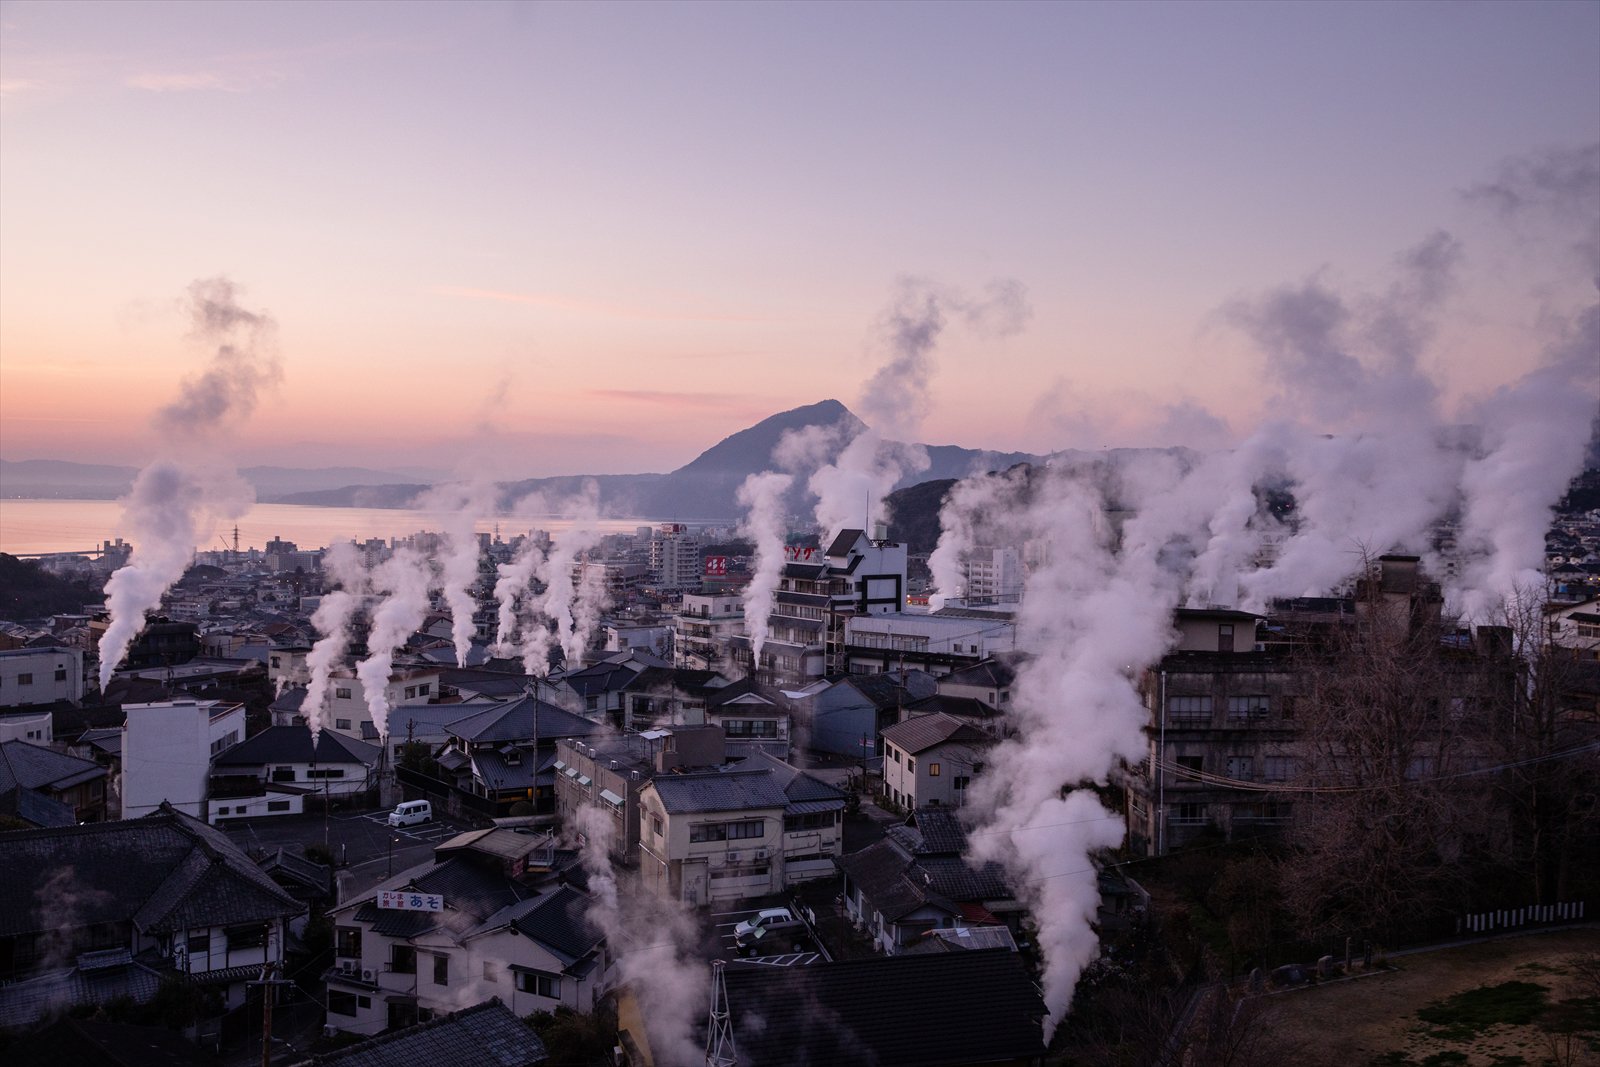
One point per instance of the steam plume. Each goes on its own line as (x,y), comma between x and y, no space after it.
(332,620)
(653,941)
(404,577)
(461,504)
(762,497)
(176,500)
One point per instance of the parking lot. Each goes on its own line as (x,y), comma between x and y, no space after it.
(431,832)
(722,925)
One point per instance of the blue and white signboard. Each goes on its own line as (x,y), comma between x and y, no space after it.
(404,900)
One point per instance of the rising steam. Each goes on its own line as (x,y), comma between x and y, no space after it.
(176,500)
(762,497)
(342,562)
(403,579)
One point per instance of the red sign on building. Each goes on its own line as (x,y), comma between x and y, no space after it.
(716,566)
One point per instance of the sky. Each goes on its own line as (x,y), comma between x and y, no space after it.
(597,238)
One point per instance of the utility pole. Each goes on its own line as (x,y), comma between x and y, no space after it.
(268,986)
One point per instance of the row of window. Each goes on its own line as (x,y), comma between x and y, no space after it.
(26,678)
(1243,768)
(1249,708)
(743,830)
(1253,811)
(747,728)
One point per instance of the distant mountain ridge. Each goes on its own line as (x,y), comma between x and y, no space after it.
(56,479)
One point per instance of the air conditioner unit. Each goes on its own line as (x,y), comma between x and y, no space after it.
(733,857)
(761,853)
(330,1031)
(366,975)
(349,966)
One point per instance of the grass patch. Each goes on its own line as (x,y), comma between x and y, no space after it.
(1578,1015)
(1445,1059)
(1466,1015)
(1537,967)
(1508,1061)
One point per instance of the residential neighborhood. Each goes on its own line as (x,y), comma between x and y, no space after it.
(198,847)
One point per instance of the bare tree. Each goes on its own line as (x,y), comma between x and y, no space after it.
(1384,821)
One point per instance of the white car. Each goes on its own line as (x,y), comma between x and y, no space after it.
(410,813)
(764,922)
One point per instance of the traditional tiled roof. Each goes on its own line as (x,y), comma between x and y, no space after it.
(487,1035)
(164,872)
(34,807)
(499,774)
(895,1011)
(744,687)
(36,767)
(961,707)
(990,673)
(22,1003)
(844,541)
(883,690)
(923,732)
(292,744)
(523,719)
(559,921)
(921,864)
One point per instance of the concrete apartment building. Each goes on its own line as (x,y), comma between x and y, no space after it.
(676,557)
(167,749)
(41,675)
(939,642)
(854,576)
(704,625)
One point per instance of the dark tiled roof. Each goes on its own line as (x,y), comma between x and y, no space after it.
(922,732)
(896,1011)
(961,707)
(523,719)
(292,744)
(85,1042)
(990,673)
(34,807)
(487,1035)
(21,1003)
(159,871)
(844,542)
(498,774)
(798,786)
(883,690)
(35,767)
(719,791)
(733,691)
(559,921)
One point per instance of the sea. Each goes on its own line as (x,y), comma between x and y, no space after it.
(31,526)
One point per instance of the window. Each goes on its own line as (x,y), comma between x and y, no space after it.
(894,753)
(1241,768)
(1249,707)
(441,970)
(251,935)
(402,959)
(276,662)
(491,971)
(24,679)
(962,781)
(911,764)
(1277,768)
(222,811)
(325,772)
(278,805)
(341,1003)
(1189,814)
(283,774)
(422,690)
(539,983)
(341,724)
(61,674)
(1225,638)
(341,693)
(1189,709)
(728,831)
(347,942)
(1190,763)
(411,692)
(198,943)
(933,770)
(655,825)
(819,820)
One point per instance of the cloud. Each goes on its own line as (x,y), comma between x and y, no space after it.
(582,306)
(721,401)
(181,83)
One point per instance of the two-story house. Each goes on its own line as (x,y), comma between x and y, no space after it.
(749,830)
(165,887)
(495,913)
(274,771)
(930,760)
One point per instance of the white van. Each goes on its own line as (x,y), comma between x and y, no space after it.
(410,813)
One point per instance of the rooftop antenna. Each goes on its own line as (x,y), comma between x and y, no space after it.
(720,1050)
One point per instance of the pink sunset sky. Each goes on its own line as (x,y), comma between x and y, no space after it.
(599,237)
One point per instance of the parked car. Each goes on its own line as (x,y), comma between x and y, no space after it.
(768,926)
(411,812)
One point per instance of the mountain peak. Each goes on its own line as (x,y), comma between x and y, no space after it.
(751,449)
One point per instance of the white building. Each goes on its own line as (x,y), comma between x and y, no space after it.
(40,676)
(930,760)
(347,700)
(702,628)
(167,750)
(749,831)
(34,727)
(993,576)
(675,557)
(939,643)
